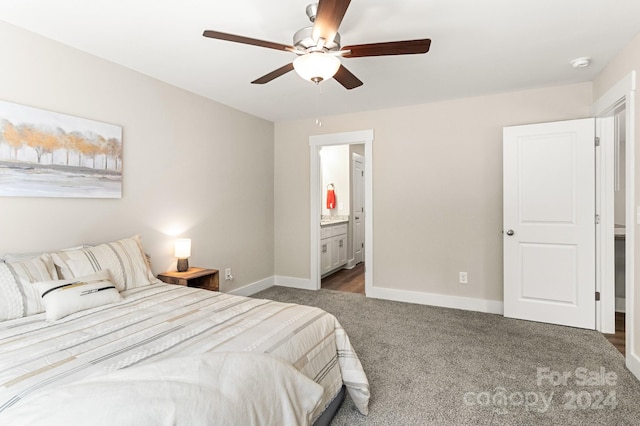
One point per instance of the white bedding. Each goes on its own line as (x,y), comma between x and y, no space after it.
(160,322)
(207,389)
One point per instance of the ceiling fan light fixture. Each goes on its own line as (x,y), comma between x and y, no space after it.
(316,66)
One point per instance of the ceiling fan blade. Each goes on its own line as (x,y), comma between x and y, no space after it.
(246,40)
(328,19)
(408,47)
(347,79)
(273,74)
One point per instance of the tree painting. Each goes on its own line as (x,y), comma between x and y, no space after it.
(44,153)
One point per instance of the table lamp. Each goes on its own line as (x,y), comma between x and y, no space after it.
(182,252)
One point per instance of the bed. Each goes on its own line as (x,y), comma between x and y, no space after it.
(161,353)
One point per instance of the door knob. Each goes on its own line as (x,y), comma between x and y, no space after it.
(510,232)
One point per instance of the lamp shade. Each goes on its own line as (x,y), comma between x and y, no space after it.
(183,248)
(316,66)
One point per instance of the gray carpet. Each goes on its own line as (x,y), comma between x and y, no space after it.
(429,365)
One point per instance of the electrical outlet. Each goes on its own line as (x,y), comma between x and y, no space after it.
(463,278)
(227,274)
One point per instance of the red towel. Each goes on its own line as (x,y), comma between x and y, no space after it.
(331,199)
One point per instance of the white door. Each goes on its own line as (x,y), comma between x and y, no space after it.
(549,222)
(358,209)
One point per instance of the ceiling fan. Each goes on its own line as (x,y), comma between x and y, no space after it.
(318,47)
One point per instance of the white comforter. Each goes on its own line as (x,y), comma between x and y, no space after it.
(162,322)
(232,388)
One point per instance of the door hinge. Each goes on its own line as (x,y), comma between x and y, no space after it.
(362,245)
(362,173)
(597,141)
(597,296)
(597,219)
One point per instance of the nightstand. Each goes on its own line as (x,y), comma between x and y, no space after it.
(193,277)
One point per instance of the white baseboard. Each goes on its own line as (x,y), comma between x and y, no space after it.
(620,304)
(445,301)
(301,283)
(253,288)
(442,300)
(633,363)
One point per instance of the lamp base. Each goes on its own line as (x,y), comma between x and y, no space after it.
(183,265)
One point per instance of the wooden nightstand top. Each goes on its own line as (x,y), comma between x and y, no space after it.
(193,277)
(189,273)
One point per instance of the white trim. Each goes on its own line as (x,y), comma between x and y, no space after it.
(614,96)
(633,363)
(620,304)
(300,283)
(624,92)
(630,235)
(315,143)
(253,288)
(442,300)
(605,259)
(432,299)
(346,138)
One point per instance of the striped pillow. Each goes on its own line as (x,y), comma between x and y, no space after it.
(18,296)
(65,297)
(124,259)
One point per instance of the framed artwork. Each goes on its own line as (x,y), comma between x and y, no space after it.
(47,154)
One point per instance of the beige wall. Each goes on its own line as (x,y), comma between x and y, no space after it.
(626,61)
(335,170)
(191,166)
(437,187)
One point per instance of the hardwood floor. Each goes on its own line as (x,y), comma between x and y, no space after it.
(349,280)
(618,339)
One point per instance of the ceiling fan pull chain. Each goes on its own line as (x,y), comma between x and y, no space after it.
(319,89)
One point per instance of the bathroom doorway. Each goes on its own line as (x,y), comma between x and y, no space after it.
(342,241)
(334,242)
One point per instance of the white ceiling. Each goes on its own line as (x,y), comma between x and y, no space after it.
(478,47)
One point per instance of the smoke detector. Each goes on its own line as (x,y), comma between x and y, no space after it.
(581,62)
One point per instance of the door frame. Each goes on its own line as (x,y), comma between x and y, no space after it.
(315,187)
(605,248)
(621,93)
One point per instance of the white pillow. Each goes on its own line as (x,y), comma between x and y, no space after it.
(125,260)
(18,296)
(65,297)
(17,257)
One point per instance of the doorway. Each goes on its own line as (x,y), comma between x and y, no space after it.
(612,203)
(342,244)
(618,101)
(317,199)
